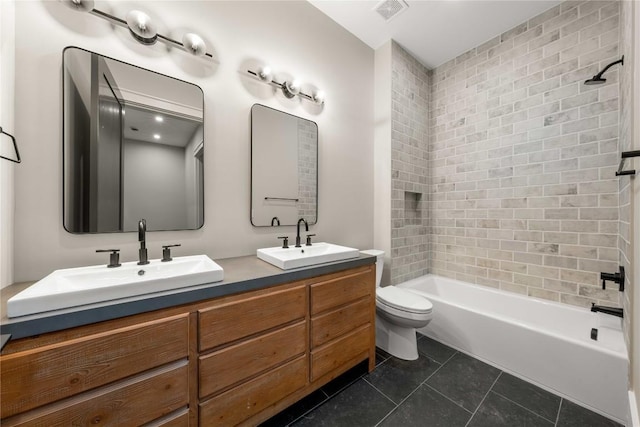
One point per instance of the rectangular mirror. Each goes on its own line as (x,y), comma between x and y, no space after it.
(133,147)
(284,168)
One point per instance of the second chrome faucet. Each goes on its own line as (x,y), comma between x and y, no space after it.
(142,233)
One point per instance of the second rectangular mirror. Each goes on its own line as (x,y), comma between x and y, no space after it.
(284,168)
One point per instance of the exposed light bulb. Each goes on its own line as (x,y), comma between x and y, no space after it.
(141,27)
(194,44)
(79,5)
(318,97)
(265,74)
(291,89)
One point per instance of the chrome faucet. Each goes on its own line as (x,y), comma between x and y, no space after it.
(306,226)
(142,252)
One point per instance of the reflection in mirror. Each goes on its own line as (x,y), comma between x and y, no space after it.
(284,168)
(133,147)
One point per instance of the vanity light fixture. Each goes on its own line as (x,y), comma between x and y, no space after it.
(142,28)
(290,89)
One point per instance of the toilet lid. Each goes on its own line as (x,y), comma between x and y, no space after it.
(403,300)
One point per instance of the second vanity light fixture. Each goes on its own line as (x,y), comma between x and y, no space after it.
(290,88)
(142,28)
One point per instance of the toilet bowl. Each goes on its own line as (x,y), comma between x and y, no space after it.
(398,314)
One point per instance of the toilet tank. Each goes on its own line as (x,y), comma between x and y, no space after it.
(379,263)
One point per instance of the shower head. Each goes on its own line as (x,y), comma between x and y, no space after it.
(597,79)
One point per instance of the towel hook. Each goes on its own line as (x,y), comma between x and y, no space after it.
(15,147)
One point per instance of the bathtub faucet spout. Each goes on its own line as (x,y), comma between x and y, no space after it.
(614,311)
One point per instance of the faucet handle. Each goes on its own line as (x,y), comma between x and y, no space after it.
(114,258)
(309,236)
(166,252)
(285,241)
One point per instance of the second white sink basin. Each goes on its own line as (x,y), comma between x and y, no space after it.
(73,287)
(318,253)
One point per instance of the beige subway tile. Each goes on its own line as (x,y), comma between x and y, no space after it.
(543,293)
(561,286)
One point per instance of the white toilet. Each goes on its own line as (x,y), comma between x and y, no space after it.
(398,314)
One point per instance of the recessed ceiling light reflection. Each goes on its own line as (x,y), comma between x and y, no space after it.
(159,119)
(156,136)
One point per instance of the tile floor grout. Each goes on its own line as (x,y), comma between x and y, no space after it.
(392,380)
(559,409)
(484,398)
(525,408)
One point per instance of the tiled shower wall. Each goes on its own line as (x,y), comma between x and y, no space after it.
(409,181)
(626,106)
(307,170)
(523,155)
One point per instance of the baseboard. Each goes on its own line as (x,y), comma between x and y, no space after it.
(634,418)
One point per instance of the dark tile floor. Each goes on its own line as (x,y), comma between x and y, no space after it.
(443,388)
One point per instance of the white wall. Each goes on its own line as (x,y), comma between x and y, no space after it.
(293,37)
(382,156)
(7,60)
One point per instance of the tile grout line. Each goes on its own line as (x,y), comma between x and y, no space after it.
(380,391)
(414,390)
(449,399)
(484,398)
(524,407)
(559,409)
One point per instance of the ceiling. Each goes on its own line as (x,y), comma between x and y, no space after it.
(433,31)
(141,124)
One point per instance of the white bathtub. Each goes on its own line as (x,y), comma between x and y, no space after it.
(543,342)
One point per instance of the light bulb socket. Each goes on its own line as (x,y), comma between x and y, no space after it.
(141,27)
(290,89)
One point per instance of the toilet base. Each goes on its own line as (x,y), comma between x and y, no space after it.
(398,341)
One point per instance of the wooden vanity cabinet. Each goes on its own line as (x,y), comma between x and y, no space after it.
(127,371)
(342,308)
(253,352)
(235,360)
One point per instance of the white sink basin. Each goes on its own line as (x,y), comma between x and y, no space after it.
(87,285)
(318,253)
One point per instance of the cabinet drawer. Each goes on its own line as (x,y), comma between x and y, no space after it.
(233,364)
(240,403)
(177,419)
(341,351)
(341,290)
(131,402)
(333,324)
(229,321)
(61,370)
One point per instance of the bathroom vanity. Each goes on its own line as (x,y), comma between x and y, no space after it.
(268,340)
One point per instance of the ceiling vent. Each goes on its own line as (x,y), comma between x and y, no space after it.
(389,9)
